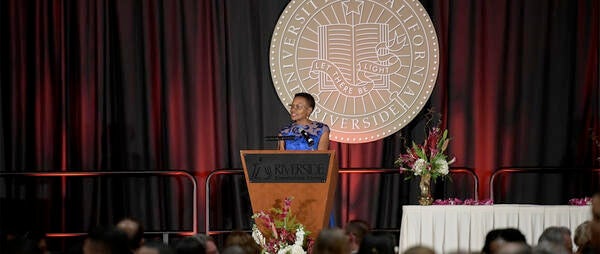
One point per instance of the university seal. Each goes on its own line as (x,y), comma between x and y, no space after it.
(371,65)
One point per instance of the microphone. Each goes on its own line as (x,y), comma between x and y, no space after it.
(308,138)
(278,138)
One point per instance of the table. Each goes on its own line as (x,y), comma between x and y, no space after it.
(462,229)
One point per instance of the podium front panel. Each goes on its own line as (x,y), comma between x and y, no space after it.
(287,168)
(310,177)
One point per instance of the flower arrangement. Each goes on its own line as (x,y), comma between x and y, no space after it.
(428,159)
(278,231)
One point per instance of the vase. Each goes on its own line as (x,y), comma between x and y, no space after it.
(425,186)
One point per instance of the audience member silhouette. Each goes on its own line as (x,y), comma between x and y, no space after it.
(208,243)
(515,248)
(376,244)
(498,237)
(234,249)
(549,247)
(559,236)
(244,241)
(189,245)
(582,236)
(332,241)
(356,231)
(154,247)
(134,230)
(106,240)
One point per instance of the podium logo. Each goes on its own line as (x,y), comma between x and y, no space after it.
(287,168)
(371,65)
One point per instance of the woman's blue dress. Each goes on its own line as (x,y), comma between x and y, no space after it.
(314,130)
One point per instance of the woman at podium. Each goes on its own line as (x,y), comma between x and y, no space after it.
(302,133)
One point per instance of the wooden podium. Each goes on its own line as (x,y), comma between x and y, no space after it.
(308,176)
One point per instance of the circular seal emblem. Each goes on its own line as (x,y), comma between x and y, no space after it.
(371,65)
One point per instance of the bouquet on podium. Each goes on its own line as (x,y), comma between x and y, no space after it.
(278,232)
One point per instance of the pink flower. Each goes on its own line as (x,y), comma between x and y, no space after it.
(456,201)
(277,230)
(287,203)
(431,143)
(580,201)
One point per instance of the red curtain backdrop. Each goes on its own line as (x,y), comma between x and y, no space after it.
(161,85)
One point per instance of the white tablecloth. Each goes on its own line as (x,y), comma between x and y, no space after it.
(462,229)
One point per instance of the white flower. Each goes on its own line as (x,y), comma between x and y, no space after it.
(441,165)
(284,250)
(291,249)
(258,236)
(299,236)
(297,249)
(419,166)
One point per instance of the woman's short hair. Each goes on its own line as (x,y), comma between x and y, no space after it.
(308,97)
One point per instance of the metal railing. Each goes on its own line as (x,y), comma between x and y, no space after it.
(195,189)
(527,170)
(165,234)
(341,172)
